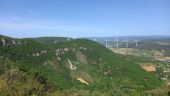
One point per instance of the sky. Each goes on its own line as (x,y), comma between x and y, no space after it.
(84,18)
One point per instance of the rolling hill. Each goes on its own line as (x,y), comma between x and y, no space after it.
(66,68)
(50,40)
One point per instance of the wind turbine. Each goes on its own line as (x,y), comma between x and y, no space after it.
(117,43)
(68,39)
(106,43)
(127,43)
(136,42)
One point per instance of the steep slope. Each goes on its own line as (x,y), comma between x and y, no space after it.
(80,66)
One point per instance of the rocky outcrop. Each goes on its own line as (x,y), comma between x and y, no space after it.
(9,41)
(39,53)
(3,41)
(81,57)
(72,67)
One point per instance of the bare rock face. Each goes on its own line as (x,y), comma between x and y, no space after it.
(36,54)
(13,42)
(9,41)
(81,57)
(3,41)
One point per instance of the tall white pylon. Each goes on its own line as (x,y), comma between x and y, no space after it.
(127,44)
(68,39)
(136,42)
(106,43)
(117,43)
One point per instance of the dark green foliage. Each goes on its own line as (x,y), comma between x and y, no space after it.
(106,72)
(49,40)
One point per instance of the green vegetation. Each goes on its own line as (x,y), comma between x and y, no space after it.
(49,40)
(37,68)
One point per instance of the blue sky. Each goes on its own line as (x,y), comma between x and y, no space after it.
(84,18)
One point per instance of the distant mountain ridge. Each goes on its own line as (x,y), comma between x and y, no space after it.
(144,42)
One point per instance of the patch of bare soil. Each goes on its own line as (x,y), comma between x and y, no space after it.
(83,81)
(149,68)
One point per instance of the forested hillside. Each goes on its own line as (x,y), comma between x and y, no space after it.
(77,67)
